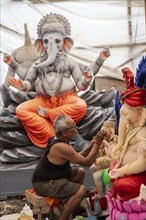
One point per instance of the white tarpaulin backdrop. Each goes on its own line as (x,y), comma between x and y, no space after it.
(118,24)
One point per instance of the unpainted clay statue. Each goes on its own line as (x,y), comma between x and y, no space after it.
(57,79)
(142,195)
(128,170)
(25,56)
(126,198)
(103,161)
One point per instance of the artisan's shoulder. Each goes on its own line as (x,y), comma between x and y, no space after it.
(62,146)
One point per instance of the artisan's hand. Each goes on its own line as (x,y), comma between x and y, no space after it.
(88,75)
(42,111)
(105,53)
(17,83)
(115,173)
(99,137)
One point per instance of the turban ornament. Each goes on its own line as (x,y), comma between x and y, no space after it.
(134,96)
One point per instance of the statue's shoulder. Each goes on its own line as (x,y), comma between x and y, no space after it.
(143,130)
(142,133)
(72,61)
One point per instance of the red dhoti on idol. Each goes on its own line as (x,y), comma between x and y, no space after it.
(127,187)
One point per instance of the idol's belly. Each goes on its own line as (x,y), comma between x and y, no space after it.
(51,88)
(129,157)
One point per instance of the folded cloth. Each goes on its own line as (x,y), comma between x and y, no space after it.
(51,201)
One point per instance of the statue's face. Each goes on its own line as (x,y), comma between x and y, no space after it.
(131,114)
(54,40)
(109,132)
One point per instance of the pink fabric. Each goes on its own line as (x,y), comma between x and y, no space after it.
(125,210)
(127,207)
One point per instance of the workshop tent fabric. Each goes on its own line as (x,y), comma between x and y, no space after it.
(118,24)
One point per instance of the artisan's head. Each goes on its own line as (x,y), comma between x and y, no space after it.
(65,127)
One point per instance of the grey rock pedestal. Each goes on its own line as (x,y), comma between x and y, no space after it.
(16,178)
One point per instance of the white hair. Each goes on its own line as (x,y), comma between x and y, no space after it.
(60,124)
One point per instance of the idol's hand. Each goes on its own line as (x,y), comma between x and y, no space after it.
(105,53)
(17,83)
(115,173)
(88,75)
(42,111)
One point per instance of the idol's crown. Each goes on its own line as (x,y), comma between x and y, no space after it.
(52,23)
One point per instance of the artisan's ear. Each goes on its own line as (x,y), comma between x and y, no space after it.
(64,134)
(67,44)
(38,44)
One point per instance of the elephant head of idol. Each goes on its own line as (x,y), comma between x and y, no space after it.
(53,39)
(132,112)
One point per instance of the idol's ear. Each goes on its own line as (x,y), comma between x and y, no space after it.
(38,44)
(142,117)
(67,44)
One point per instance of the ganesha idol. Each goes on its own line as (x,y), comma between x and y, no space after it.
(127,196)
(56,78)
